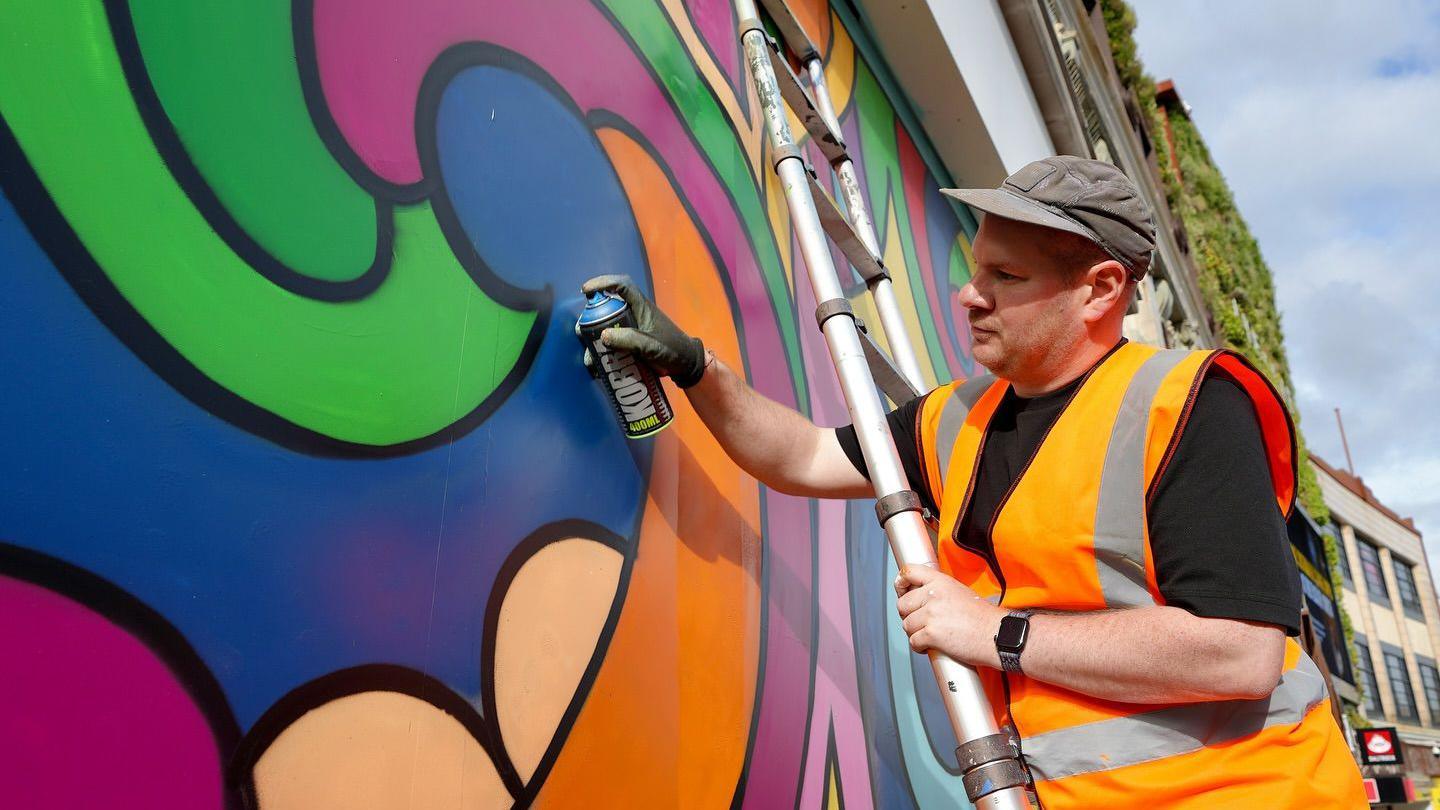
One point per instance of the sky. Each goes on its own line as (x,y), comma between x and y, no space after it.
(1324,117)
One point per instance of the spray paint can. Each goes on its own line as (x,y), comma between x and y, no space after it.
(632,386)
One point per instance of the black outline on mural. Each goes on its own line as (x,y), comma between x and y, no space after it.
(172,150)
(714,172)
(742,780)
(742,96)
(166,139)
(145,625)
(52,232)
(601,118)
(333,686)
(526,792)
(814,505)
(302,23)
(832,765)
(737,797)
(48,226)
(448,64)
(767,571)
(483,724)
(858,518)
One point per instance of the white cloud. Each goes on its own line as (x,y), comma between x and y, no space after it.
(1325,119)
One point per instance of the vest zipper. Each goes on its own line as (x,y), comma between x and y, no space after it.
(920,454)
(992,558)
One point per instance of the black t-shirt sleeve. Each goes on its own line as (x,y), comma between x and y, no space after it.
(904,424)
(1218,539)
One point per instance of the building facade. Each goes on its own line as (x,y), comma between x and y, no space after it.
(1066,52)
(1388,591)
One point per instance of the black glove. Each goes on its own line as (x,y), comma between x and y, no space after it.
(655,339)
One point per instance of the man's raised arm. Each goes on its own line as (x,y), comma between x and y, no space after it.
(780,447)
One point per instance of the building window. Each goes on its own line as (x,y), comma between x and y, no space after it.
(1400,687)
(1430,682)
(1374,577)
(1405,584)
(1367,679)
(1346,578)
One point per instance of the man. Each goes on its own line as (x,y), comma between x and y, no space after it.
(1113,555)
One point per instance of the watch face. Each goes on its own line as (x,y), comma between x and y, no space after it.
(1013,630)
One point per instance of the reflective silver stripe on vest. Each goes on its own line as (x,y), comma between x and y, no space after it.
(1120,513)
(1138,738)
(953,414)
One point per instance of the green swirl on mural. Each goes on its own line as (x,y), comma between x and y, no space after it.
(422,350)
(249,133)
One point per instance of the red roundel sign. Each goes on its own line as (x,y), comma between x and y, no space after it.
(1379,746)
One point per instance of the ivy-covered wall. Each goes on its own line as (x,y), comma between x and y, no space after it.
(1232,273)
(1230,269)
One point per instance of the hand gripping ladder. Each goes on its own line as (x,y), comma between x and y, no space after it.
(992,774)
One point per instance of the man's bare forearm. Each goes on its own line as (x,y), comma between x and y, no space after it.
(1154,655)
(1157,654)
(779,446)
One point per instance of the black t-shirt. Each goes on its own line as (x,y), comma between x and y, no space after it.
(1216,536)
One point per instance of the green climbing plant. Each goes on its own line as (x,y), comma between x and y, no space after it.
(1232,274)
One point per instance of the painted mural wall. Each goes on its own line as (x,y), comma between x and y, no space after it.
(306,500)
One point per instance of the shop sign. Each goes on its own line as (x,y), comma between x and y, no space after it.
(1379,746)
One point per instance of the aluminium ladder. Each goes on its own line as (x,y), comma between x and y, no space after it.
(992,774)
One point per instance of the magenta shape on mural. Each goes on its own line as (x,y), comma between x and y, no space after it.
(92,717)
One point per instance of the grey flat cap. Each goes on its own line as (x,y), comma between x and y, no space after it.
(1089,198)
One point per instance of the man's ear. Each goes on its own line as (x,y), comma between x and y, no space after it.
(1107,282)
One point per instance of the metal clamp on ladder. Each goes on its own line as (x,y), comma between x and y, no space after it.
(993,776)
(856,231)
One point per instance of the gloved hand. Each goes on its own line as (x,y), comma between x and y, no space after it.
(655,339)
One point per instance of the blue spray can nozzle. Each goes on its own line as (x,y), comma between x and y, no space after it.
(632,387)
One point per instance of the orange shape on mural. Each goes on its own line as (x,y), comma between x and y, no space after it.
(667,721)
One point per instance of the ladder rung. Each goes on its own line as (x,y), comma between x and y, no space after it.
(800,100)
(843,234)
(791,29)
(886,375)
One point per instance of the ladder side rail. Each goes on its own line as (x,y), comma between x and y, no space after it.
(882,290)
(990,762)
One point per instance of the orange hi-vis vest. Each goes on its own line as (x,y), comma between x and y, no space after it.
(1072,535)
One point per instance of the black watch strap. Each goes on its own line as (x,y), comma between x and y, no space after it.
(1010,656)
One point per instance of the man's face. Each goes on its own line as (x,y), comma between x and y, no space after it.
(1024,310)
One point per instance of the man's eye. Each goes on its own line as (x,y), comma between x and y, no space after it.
(1004,276)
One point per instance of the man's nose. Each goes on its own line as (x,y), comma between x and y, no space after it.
(970,297)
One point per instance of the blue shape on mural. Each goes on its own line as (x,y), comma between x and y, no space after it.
(281,567)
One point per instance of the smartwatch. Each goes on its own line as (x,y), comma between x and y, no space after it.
(1010,639)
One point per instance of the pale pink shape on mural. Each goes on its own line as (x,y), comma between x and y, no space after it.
(90,717)
(716,23)
(377,751)
(837,691)
(914,178)
(550,622)
(785,749)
